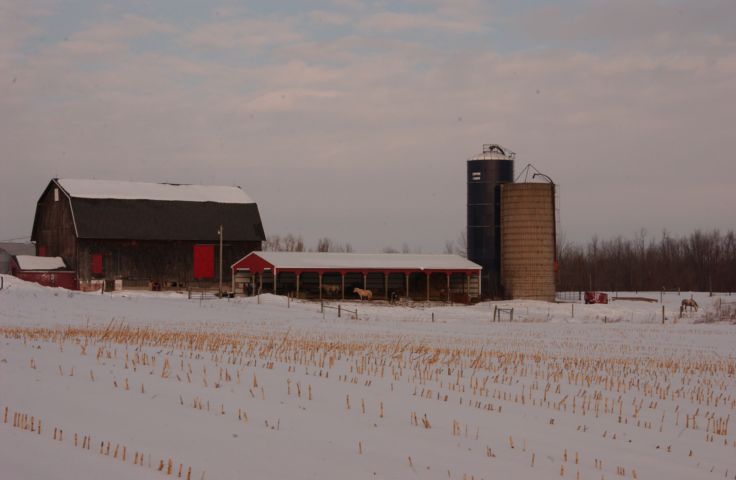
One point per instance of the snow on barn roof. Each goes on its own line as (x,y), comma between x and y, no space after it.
(367,261)
(31,262)
(122,190)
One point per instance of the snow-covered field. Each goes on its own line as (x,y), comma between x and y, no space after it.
(130,385)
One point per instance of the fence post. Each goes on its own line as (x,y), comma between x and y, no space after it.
(572,305)
(321,306)
(512,315)
(495,307)
(432,317)
(662,314)
(339,310)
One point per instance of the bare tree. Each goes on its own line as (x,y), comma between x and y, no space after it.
(329,245)
(458,246)
(325,245)
(461,244)
(449,247)
(704,261)
(293,243)
(272,243)
(287,243)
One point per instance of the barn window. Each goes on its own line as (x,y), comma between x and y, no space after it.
(97,264)
(476,176)
(56,194)
(204,261)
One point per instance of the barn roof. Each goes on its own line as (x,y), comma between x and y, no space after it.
(31,262)
(361,261)
(116,210)
(120,190)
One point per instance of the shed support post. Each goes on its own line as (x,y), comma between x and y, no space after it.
(365,281)
(385,284)
(298,277)
(275,277)
(429,274)
(260,283)
(406,278)
(342,285)
(320,285)
(449,296)
(232,278)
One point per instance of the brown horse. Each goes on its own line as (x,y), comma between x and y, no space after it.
(331,290)
(363,293)
(689,303)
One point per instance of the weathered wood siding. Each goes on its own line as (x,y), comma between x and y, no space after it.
(138,262)
(55,227)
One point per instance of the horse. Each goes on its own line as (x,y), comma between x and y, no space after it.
(363,293)
(689,303)
(331,290)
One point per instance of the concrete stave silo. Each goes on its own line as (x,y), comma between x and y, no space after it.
(528,243)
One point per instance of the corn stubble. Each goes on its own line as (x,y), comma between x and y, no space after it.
(658,396)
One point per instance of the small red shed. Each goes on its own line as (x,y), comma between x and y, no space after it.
(46,271)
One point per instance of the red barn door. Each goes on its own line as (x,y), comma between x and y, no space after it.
(204,261)
(97,264)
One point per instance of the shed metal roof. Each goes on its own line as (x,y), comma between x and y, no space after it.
(363,261)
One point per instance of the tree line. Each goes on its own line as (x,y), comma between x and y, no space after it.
(295,243)
(700,261)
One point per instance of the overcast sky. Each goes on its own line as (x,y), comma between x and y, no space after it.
(353,120)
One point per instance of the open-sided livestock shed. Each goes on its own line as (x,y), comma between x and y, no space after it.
(138,234)
(335,275)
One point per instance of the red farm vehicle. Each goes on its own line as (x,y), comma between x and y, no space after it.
(595,297)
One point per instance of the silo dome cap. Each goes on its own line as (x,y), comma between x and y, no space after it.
(493,151)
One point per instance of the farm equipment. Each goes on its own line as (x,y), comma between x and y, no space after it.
(595,297)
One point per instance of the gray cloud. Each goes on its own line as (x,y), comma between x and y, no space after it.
(364,137)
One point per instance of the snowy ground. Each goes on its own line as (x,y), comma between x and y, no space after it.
(234,389)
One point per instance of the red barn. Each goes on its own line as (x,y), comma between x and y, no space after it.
(136,234)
